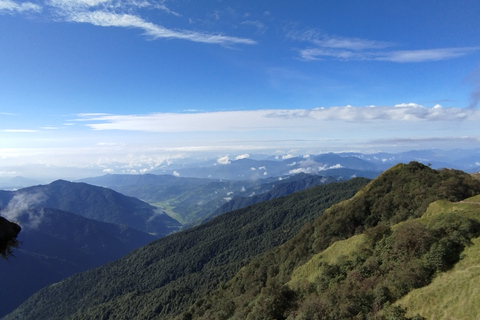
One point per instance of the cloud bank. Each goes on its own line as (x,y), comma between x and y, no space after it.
(257,120)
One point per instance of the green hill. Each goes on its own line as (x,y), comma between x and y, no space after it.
(454,294)
(166,276)
(359,257)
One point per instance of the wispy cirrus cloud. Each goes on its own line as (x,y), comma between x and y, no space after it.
(425,54)
(261,28)
(122,14)
(108,19)
(330,47)
(8,6)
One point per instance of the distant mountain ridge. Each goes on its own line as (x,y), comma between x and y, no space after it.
(345,164)
(258,166)
(193,200)
(96,203)
(250,169)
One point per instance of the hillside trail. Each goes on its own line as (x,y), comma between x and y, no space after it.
(470,202)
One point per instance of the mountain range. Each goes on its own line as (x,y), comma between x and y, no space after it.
(307,255)
(63,232)
(256,166)
(193,200)
(345,165)
(166,275)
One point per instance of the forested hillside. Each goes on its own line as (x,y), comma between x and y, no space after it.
(382,250)
(55,244)
(276,189)
(166,276)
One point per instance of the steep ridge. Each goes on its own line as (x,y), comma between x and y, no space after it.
(276,189)
(166,276)
(55,244)
(407,256)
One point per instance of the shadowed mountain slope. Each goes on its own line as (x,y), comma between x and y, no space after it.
(96,203)
(55,244)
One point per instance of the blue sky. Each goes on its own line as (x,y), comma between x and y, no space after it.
(140,83)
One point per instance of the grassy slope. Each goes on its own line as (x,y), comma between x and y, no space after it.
(454,294)
(313,268)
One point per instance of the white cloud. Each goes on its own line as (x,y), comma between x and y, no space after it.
(78,3)
(335,42)
(350,43)
(327,47)
(405,56)
(327,167)
(257,24)
(223,160)
(303,170)
(116,13)
(242,156)
(21,204)
(109,19)
(12,6)
(19,130)
(176,174)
